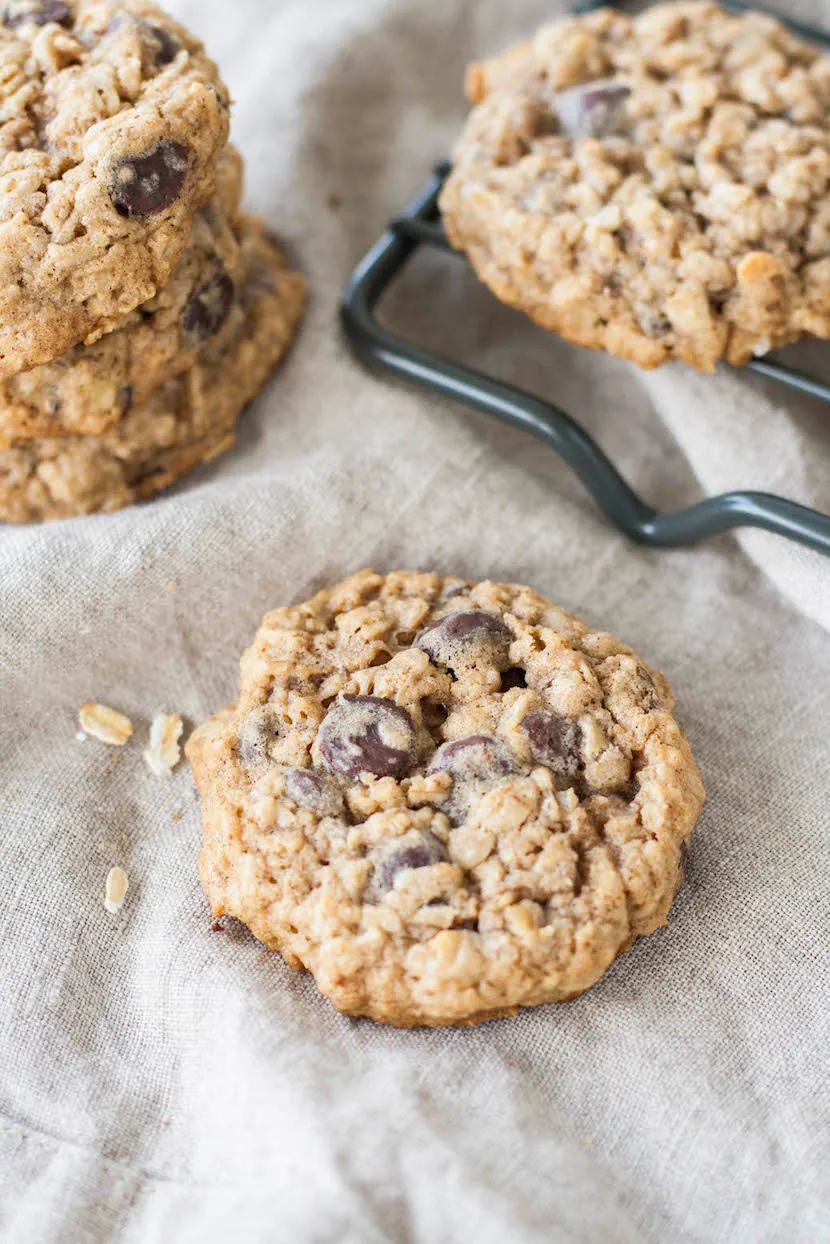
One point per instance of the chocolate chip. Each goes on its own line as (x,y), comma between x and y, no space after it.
(555,742)
(258,733)
(475,764)
(365,733)
(209,306)
(38,12)
(415,849)
(592,109)
(514,677)
(470,637)
(164,45)
(313,791)
(147,184)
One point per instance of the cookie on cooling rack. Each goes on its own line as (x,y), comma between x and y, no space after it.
(654,186)
(445,799)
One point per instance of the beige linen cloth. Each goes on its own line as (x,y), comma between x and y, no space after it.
(163,1082)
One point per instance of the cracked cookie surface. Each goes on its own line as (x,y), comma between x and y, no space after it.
(654,186)
(93,387)
(112,123)
(447,800)
(186,421)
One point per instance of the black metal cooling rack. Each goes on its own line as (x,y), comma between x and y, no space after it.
(419,225)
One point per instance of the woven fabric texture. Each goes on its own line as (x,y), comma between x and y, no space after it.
(164,1082)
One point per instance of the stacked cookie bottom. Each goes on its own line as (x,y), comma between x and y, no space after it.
(116,421)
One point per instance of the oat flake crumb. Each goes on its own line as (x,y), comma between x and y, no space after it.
(164,753)
(117,884)
(105,724)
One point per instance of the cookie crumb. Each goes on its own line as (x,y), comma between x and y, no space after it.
(117,885)
(164,752)
(172,585)
(334,202)
(104,723)
(217,927)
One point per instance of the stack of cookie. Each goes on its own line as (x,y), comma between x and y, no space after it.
(140,308)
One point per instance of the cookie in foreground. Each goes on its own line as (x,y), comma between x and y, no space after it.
(186,421)
(654,186)
(447,800)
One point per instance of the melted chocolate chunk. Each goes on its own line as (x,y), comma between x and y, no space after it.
(555,742)
(38,12)
(147,184)
(258,732)
(479,758)
(367,734)
(313,791)
(165,47)
(415,849)
(475,764)
(209,306)
(592,109)
(469,637)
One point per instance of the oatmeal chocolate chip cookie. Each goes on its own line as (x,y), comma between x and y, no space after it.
(446,800)
(112,123)
(92,387)
(654,186)
(184,422)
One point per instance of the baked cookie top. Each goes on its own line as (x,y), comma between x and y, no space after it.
(112,122)
(445,799)
(183,422)
(656,186)
(92,387)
